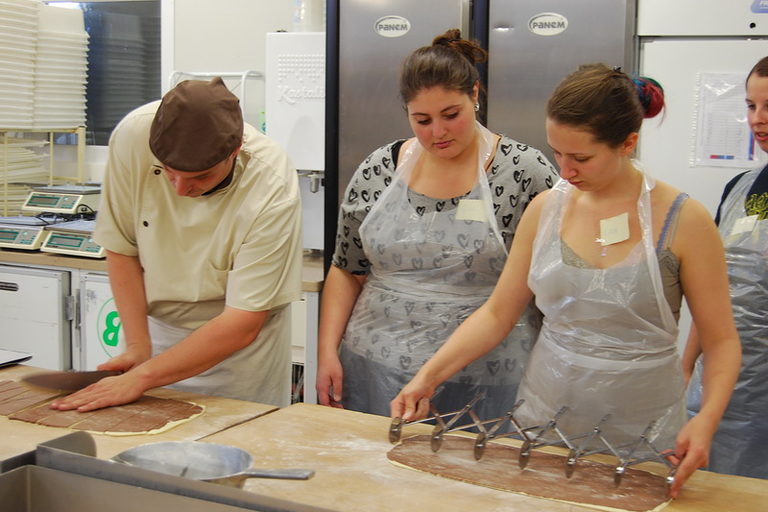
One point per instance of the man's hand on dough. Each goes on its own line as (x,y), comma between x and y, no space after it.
(109,391)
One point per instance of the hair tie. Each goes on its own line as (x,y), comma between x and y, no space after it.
(650,94)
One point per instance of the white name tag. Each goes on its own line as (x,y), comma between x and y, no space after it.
(471,209)
(744,225)
(614,229)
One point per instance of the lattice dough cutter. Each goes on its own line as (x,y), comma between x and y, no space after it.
(540,436)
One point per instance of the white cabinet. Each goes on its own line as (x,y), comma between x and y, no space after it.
(66,318)
(686,18)
(101,333)
(36,310)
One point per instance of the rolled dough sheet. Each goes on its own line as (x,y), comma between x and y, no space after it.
(15,397)
(544,476)
(148,415)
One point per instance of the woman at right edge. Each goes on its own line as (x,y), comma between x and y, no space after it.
(601,254)
(740,446)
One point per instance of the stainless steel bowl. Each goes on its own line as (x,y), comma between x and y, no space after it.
(217,463)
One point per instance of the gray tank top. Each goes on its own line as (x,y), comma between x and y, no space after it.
(669,265)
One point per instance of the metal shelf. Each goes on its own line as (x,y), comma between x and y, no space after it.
(5,132)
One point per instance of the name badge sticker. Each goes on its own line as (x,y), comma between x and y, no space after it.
(471,209)
(744,225)
(614,229)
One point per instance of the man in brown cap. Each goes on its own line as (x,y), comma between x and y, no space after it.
(201,221)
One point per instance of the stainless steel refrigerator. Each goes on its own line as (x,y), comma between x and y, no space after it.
(533,44)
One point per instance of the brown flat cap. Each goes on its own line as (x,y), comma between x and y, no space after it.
(197,125)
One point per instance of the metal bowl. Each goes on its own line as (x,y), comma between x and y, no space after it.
(209,462)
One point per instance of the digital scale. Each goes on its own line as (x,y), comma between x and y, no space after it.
(74,238)
(67,199)
(24,232)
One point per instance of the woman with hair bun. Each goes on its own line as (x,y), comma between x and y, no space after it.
(423,235)
(608,253)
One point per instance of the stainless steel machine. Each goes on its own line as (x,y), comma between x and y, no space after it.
(63,474)
(533,44)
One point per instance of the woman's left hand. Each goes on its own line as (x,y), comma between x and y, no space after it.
(691,450)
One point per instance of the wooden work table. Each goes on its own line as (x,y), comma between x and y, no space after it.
(220,413)
(312,270)
(348,451)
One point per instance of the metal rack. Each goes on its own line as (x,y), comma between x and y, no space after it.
(52,178)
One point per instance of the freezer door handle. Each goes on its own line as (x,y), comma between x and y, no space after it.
(7,286)
(70,307)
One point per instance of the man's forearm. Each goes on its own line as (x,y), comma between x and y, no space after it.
(126,279)
(205,347)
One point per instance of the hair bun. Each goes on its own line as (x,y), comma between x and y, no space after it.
(452,39)
(451,36)
(651,95)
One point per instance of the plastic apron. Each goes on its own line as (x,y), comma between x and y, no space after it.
(429,271)
(740,446)
(608,343)
(236,377)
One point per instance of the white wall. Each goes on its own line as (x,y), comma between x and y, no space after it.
(680,40)
(222,36)
(206,36)
(228,36)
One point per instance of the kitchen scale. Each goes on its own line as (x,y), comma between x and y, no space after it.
(67,199)
(74,238)
(24,232)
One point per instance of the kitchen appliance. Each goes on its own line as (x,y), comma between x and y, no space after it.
(294,100)
(532,45)
(295,94)
(36,309)
(101,334)
(66,199)
(64,474)
(74,238)
(25,232)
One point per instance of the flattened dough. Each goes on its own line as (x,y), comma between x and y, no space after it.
(15,397)
(591,484)
(148,415)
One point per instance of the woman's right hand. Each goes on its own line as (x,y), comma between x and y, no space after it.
(330,376)
(412,403)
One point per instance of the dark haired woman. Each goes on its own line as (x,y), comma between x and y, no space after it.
(422,238)
(608,253)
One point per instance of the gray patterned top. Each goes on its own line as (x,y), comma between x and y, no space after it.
(518,173)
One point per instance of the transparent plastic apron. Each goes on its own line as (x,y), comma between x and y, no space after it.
(429,271)
(740,446)
(608,343)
